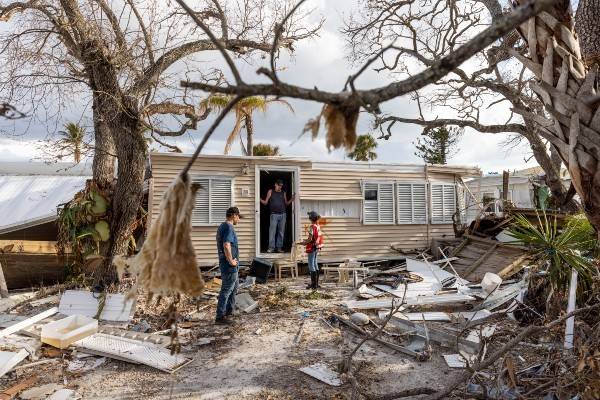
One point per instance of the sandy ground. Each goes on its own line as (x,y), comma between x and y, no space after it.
(260,359)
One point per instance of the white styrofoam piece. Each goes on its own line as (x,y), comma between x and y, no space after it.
(9,359)
(324,373)
(82,302)
(428,316)
(133,351)
(472,315)
(455,361)
(28,322)
(65,331)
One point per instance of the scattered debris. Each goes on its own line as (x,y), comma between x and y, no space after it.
(244,302)
(40,392)
(64,394)
(28,322)
(82,365)
(324,373)
(360,319)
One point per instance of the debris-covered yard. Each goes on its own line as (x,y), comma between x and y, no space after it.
(288,342)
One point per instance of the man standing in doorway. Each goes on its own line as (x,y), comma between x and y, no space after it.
(278,203)
(227,247)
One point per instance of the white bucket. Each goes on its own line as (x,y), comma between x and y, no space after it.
(490,282)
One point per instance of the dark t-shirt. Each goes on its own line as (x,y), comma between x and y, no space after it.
(226,233)
(277,202)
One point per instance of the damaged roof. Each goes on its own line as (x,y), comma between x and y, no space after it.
(32,200)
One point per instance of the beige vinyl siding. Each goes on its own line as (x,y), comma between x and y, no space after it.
(347,237)
(344,237)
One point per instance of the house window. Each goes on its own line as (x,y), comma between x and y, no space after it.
(378,203)
(332,208)
(212,200)
(412,203)
(443,203)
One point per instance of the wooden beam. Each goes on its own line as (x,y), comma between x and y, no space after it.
(505,177)
(514,267)
(458,248)
(3,287)
(479,261)
(29,246)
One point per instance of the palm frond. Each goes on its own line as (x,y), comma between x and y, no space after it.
(216,101)
(233,134)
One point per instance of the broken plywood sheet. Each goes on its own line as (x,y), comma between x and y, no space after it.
(448,298)
(479,255)
(324,373)
(9,359)
(132,351)
(80,302)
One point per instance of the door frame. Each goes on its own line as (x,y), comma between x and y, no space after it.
(295,205)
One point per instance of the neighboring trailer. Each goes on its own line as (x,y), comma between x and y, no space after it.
(365,206)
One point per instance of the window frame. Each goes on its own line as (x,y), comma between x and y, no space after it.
(210,178)
(364,183)
(425,221)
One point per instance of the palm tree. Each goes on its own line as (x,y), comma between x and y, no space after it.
(72,139)
(243,116)
(263,149)
(363,151)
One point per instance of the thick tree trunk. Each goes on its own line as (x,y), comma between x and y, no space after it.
(250,135)
(587,25)
(103,165)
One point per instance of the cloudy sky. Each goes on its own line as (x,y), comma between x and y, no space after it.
(317,62)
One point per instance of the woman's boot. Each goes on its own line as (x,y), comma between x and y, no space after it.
(311,285)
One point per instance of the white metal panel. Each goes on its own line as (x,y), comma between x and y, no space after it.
(30,200)
(9,359)
(380,211)
(133,351)
(212,200)
(220,199)
(332,208)
(201,211)
(81,302)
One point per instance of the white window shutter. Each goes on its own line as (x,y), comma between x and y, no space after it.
(220,199)
(405,202)
(437,204)
(449,202)
(200,213)
(419,199)
(212,201)
(386,203)
(370,207)
(443,203)
(412,203)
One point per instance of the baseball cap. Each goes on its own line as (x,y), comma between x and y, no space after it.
(279,182)
(313,215)
(231,211)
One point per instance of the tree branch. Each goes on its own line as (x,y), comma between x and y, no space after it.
(374,97)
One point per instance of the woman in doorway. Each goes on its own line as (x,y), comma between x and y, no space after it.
(313,244)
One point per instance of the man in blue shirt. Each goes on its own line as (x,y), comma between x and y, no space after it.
(227,247)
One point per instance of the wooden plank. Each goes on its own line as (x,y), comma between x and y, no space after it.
(490,241)
(28,322)
(9,359)
(479,261)
(30,246)
(24,270)
(513,267)
(458,248)
(3,287)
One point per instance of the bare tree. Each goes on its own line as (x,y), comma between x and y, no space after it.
(130,55)
(485,86)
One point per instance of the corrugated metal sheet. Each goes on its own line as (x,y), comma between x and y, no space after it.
(32,200)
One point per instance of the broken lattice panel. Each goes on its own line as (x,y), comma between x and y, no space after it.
(132,351)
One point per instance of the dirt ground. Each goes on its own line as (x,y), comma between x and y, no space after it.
(256,358)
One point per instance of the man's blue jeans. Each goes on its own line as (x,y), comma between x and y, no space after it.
(276,231)
(313,265)
(229,287)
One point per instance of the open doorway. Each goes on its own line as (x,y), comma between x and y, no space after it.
(267,179)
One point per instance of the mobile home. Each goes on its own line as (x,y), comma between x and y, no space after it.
(365,206)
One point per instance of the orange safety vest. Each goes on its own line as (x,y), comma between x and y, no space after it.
(317,239)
